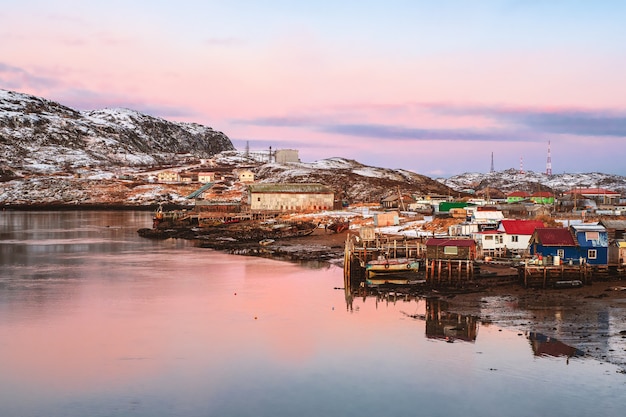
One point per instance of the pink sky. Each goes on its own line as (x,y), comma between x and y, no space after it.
(430,88)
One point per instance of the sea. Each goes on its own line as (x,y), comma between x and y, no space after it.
(97,321)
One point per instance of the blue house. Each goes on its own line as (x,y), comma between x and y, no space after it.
(593,242)
(554,241)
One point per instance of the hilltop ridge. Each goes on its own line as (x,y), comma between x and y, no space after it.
(53,155)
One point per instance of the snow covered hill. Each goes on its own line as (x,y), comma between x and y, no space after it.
(513,180)
(351,180)
(52,155)
(41,136)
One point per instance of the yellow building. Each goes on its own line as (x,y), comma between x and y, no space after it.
(168,176)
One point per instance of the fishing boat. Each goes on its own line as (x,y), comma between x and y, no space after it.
(391,271)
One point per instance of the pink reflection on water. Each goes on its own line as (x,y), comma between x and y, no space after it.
(201,309)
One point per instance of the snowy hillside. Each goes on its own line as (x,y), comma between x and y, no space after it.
(351,180)
(41,136)
(513,180)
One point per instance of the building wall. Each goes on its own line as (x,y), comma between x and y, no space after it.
(291,201)
(205,177)
(286,155)
(246,176)
(168,176)
(438,252)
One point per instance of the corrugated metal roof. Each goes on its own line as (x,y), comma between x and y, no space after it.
(588,227)
(290,188)
(520,227)
(554,236)
(614,224)
(488,215)
(450,242)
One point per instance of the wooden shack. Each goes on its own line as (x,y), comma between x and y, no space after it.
(455,249)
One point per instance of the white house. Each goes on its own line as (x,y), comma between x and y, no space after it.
(511,237)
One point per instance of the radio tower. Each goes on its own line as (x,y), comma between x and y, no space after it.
(549,162)
(521,165)
(492,169)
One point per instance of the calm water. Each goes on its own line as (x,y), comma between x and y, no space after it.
(95,321)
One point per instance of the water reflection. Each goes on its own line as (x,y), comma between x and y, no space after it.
(441,324)
(123,326)
(543,345)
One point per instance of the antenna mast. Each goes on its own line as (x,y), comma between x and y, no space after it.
(549,162)
(521,164)
(492,169)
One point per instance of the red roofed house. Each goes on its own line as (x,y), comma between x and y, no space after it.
(511,237)
(554,241)
(599,195)
(444,248)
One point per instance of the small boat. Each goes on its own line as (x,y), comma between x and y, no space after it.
(391,266)
(391,271)
(265,242)
(338,225)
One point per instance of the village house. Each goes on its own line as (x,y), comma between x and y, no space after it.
(510,238)
(206,177)
(550,242)
(599,195)
(168,176)
(463,229)
(395,202)
(290,197)
(245,175)
(444,207)
(487,218)
(453,249)
(620,245)
(188,177)
(616,233)
(542,197)
(517,196)
(593,242)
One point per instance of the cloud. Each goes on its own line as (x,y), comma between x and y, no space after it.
(507,124)
(384,131)
(18,78)
(575,123)
(560,121)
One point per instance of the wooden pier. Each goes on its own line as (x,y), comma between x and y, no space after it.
(555,276)
(431,272)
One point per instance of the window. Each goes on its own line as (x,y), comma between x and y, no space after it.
(592,254)
(592,236)
(560,253)
(488,237)
(499,239)
(515,238)
(450,250)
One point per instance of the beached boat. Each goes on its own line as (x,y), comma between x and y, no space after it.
(338,225)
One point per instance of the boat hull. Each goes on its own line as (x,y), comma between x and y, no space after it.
(391,271)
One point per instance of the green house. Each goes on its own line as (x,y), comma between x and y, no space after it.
(542,197)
